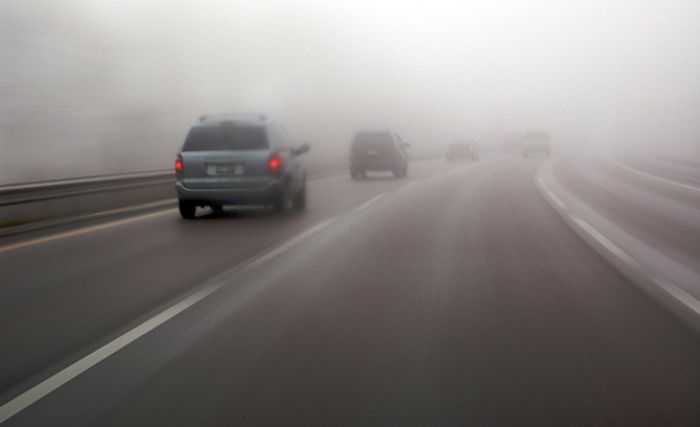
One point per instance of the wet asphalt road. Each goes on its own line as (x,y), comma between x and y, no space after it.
(456,296)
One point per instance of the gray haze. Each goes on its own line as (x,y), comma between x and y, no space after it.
(92,87)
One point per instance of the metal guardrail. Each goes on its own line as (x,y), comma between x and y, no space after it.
(22,204)
(51,190)
(42,191)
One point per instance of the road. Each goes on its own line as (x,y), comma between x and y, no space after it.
(457,296)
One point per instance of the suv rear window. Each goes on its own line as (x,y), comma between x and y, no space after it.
(461,144)
(372,140)
(224,137)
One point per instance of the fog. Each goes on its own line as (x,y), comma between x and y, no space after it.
(97,87)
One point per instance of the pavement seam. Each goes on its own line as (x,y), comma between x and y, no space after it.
(84,230)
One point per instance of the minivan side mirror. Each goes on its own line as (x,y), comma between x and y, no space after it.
(301,149)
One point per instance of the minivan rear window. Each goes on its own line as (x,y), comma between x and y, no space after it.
(225,137)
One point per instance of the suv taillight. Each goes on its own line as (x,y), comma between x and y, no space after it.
(274,163)
(178,164)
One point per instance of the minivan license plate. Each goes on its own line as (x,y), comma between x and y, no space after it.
(224,169)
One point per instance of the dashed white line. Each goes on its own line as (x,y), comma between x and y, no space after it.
(368,203)
(41,390)
(409,185)
(283,247)
(655,177)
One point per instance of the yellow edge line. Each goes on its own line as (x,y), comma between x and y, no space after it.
(81,231)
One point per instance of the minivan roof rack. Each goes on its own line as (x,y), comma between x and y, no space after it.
(232,116)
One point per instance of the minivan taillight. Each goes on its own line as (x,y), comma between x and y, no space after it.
(178,164)
(274,163)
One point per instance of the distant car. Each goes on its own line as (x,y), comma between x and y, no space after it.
(378,150)
(512,141)
(239,160)
(536,142)
(462,149)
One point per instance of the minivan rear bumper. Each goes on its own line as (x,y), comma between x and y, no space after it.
(262,195)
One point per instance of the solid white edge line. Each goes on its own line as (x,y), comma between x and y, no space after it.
(671,288)
(648,175)
(436,175)
(550,193)
(607,244)
(668,286)
(41,390)
(681,295)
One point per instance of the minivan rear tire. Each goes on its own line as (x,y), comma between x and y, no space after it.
(400,172)
(358,173)
(187,209)
(300,199)
(284,201)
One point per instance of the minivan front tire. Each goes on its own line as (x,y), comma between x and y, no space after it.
(187,209)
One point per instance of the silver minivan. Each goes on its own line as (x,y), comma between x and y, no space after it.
(239,160)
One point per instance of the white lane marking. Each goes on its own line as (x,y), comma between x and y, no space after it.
(671,288)
(288,244)
(607,243)
(668,286)
(367,204)
(658,178)
(681,295)
(41,390)
(84,230)
(550,193)
(557,200)
(409,185)
(436,175)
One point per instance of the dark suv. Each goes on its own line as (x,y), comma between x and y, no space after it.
(239,160)
(463,148)
(536,142)
(378,150)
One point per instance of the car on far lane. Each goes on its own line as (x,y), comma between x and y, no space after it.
(466,148)
(239,160)
(536,142)
(378,150)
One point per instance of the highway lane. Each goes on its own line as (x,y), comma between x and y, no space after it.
(661,214)
(461,298)
(61,298)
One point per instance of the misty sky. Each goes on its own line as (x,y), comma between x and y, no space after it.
(590,72)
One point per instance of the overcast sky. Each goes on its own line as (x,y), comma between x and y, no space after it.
(594,72)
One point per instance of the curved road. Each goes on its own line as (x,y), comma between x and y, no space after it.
(454,297)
